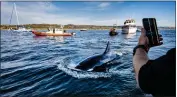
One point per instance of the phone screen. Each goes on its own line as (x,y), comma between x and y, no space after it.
(151,31)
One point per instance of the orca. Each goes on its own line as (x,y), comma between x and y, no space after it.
(97,63)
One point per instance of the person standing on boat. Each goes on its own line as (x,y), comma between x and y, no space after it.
(53,30)
(64,31)
(48,29)
(156,77)
(112,32)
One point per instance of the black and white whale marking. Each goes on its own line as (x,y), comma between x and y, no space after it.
(97,63)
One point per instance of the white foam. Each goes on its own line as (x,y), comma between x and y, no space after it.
(122,72)
(81,74)
(72,65)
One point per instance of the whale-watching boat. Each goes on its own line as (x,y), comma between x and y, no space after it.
(83,29)
(129,27)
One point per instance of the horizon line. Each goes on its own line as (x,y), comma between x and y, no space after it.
(77,24)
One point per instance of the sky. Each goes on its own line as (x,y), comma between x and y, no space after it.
(89,13)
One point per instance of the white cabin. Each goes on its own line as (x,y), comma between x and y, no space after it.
(129,27)
(56,30)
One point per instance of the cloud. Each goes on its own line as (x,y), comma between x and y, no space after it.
(46,12)
(92,13)
(37,12)
(90,6)
(104,5)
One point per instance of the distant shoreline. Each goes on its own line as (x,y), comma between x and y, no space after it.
(71,27)
(65,29)
(91,29)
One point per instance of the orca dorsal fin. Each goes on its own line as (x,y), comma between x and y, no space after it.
(107,48)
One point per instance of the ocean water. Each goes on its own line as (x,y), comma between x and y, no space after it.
(44,66)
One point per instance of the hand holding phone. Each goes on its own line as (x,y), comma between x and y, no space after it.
(152,33)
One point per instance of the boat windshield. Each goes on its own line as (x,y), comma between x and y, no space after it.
(129,21)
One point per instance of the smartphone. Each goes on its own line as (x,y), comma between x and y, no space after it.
(152,33)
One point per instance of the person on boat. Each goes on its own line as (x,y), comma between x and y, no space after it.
(53,30)
(48,29)
(64,31)
(156,77)
(112,32)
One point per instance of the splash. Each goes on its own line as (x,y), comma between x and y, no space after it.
(69,69)
(68,66)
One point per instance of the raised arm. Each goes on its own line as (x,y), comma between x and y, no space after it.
(140,57)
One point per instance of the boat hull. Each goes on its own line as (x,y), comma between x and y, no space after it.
(50,34)
(129,30)
(83,30)
(22,30)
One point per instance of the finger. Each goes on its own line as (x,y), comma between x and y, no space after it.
(160,39)
(160,43)
(160,35)
(143,32)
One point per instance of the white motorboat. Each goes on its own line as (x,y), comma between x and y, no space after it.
(129,27)
(22,29)
(83,30)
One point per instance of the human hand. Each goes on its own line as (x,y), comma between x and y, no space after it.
(143,39)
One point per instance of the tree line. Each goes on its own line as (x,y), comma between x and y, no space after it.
(69,26)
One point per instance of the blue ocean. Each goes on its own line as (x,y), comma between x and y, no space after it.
(34,66)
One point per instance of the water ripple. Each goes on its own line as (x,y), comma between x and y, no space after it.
(44,66)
